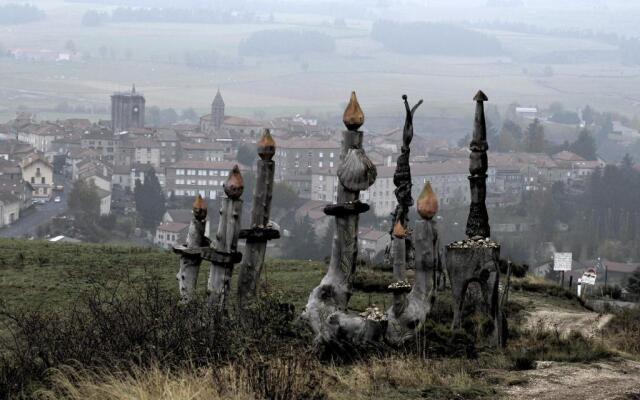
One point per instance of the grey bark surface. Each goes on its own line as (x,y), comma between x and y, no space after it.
(253,260)
(187,276)
(225,241)
(408,312)
(477,259)
(326,311)
(403,321)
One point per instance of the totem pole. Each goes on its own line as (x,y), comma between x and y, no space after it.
(261,230)
(408,312)
(400,242)
(326,310)
(476,259)
(190,254)
(225,244)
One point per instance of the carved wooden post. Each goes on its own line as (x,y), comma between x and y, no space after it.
(326,310)
(408,312)
(476,259)
(225,243)
(399,230)
(190,259)
(261,231)
(478,221)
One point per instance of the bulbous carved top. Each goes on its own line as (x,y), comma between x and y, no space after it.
(353,117)
(427,203)
(266,146)
(234,186)
(200,208)
(399,230)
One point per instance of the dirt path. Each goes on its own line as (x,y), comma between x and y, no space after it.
(587,323)
(599,381)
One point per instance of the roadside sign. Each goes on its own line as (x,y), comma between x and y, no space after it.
(589,277)
(562,261)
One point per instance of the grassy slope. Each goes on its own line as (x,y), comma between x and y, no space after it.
(36,273)
(42,274)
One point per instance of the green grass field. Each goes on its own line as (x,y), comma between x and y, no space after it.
(43,276)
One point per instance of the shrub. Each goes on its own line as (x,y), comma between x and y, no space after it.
(624,330)
(104,329)
(544,345)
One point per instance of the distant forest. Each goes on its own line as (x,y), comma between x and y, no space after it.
(11,14)
(286,42)
(628,47)
(167,15)
(434,38)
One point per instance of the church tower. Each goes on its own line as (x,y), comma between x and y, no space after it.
(127,110)
(217,111)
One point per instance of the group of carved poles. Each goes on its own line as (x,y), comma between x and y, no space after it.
(326,312)
(222,253)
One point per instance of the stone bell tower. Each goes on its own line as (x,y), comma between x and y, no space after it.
(127,110)
(217,111)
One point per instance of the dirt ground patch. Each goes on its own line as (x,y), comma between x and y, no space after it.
(565,322)
(615,380)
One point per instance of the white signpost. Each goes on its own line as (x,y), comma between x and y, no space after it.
(562,261)
(589,277)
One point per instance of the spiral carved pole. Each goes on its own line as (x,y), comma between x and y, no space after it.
(476,259)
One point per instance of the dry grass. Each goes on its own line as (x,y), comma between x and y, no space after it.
(277,380)
(392,377)
(151,384)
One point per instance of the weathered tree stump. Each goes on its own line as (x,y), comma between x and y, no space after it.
(409,311)
(261,231)
(190,258)
(326,311)
(225,244)
(476,259)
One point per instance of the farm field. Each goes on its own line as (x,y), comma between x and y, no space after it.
(153,56)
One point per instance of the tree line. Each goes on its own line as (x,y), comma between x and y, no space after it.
(434,38)
(11,14)
(286,42)
(167,15)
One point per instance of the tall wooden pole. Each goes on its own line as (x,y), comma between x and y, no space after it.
(226,242)
(326,310)
(478,221)
(190,259)
(261,231)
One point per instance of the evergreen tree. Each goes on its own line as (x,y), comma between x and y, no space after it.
(149,199)
(534,138)
(633,284)
(302,243)
(84,201)
(509,138)
(246,155)
(584,146)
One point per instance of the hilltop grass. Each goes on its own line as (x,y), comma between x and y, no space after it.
(57,297)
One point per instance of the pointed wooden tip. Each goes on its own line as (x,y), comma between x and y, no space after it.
(480,96)
(399,230)
(234,186)
(427,203)
(266,146)
(200,203)
(353,117)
